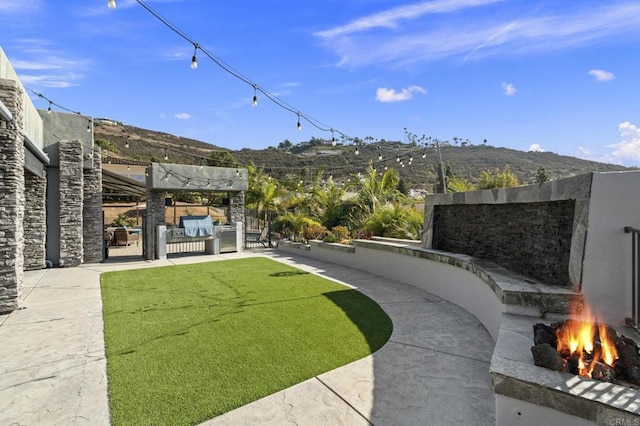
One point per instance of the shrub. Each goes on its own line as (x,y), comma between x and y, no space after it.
(314,232)
(341,233)
(123,220)
(330,238)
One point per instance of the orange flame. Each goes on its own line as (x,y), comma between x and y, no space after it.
(577,339)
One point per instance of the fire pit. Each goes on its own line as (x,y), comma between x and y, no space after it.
(527,394)
(589,349)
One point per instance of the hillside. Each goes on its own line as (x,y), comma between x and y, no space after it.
(303,160)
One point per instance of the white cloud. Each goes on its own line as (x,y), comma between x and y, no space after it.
(392,17)
(590,154)
(409,34)
(183,116)
(13,6)
(602,75)
(535,148)
(390,95)
(628,149)
(509,89)
(46,80)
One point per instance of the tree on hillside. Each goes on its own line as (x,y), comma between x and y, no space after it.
(504,178)
(541,176)
(285,145)
(221,159)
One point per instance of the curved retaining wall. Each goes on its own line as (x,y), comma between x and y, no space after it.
(507,304)
(482,288)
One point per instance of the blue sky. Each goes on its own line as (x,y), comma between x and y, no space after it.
(560,76)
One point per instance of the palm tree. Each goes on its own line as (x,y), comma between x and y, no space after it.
(374,191)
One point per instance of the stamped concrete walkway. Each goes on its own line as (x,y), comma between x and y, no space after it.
(433,370)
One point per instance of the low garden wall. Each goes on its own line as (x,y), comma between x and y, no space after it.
(483,288)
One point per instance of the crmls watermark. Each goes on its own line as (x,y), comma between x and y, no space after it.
(624,422)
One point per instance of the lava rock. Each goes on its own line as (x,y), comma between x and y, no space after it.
(545,355)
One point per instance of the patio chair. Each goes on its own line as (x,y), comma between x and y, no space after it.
(124,238)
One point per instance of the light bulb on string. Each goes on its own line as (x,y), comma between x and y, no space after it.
(201,164)
(194,59)
(357,151)
(146,172)
(254,103)
(380,157)
(89,127)
(188,182)
(49,109)
(237,172)
(333,138)
(424,154)
(299,125)
(166,155)
(126,143)
(208,183)
(111,4)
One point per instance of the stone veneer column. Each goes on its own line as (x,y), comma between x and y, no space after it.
(71,199)
(236,211)
(93,232)
(236,207)
(12,201)
(35,221)
(154,216)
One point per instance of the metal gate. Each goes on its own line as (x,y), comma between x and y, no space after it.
(257,229)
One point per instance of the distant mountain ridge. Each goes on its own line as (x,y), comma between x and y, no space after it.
(302,161)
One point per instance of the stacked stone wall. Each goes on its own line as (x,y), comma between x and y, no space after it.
(93,232)
(236,207)
(155,216)
(12,200)
(71,200)
(533,239)
(35,221)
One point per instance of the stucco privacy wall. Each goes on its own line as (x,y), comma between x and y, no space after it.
(614,204)
(537,230)
(165,177)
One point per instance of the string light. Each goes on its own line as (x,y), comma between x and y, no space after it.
(194,60)
(224,66)
(49,109)
(254,102)
(126,143)
(111,4)
(333,138)
(399,157)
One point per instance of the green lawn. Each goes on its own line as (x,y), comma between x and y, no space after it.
(188,343)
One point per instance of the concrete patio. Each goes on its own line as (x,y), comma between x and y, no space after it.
(433,370)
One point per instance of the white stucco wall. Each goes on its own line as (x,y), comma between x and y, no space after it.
(614,204)
(32,123)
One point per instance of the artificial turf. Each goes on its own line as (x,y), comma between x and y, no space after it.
(188,343)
